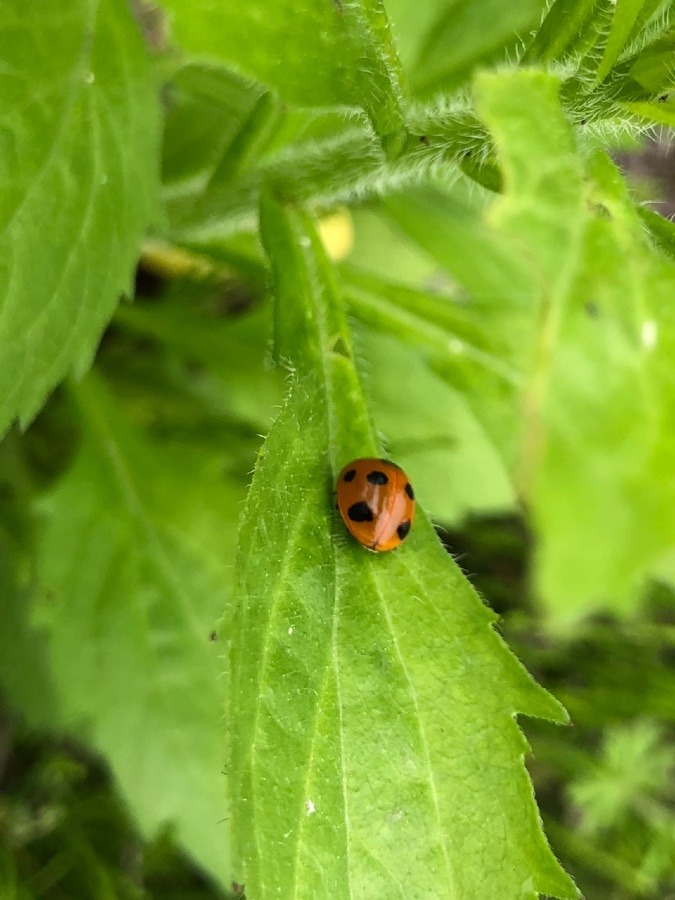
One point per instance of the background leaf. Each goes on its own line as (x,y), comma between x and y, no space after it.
(562,31)
(24,674)
(134,569)
(611,400)
(467,34)
(627,14)
(335,54)
(233,349)
(562,274)
(79,174)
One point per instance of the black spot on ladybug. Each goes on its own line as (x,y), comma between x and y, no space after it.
(403,529)
(349,476)
(409,491)
(376,477)
(360,512)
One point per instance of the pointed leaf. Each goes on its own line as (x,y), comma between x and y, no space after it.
(560,30)
(626,14)
(374,749)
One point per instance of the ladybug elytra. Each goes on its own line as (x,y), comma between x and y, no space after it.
(377,502)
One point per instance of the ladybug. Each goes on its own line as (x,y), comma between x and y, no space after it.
(377,502)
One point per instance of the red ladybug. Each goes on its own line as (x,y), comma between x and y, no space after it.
(377,502)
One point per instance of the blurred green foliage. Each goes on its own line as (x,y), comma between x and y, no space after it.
(492,306)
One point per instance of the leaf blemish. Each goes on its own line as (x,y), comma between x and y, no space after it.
(340,347)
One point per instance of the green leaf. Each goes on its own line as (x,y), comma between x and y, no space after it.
(374,749)
(312,337)
(611,400)
(581,296)
(481,259)
(232,349)
(496,326)
(627,13)
(134,565)
(334,53)
(467,34)
(248,141)
(541,211)
(379,249)
(225,136)
(79,169)
(440,431)
(207,106)
(596,391)
(663,113)
(662,230)
(410,23)
(653,69)
(439,320)
(560,31)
